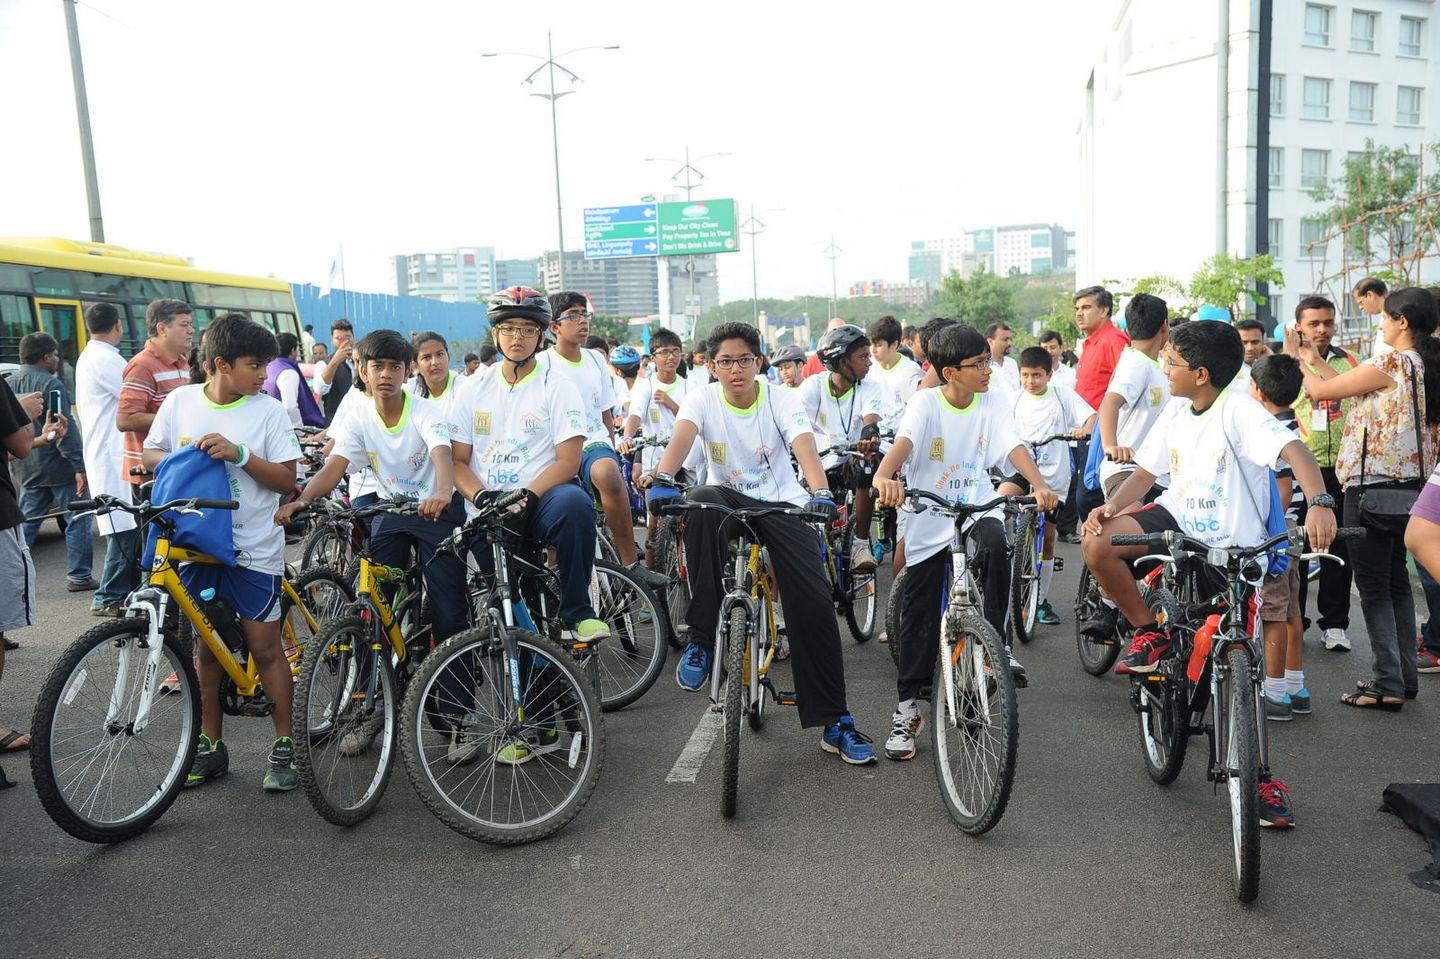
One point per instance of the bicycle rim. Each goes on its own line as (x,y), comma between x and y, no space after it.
(633,657)
(490,768)
(1242,780)
(734,707)
(325,596)
(976,743)
(97,777)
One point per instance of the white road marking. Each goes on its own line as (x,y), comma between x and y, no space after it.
(692,757)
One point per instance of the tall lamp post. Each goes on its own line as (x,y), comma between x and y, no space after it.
(692,179)
(548,65)
(82,111)
(832,252)
(753,227)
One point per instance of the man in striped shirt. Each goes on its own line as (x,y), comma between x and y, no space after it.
(155,371)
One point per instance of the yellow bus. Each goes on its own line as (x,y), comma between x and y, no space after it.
(47,283)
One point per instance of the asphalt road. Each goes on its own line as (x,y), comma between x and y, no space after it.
(823,860)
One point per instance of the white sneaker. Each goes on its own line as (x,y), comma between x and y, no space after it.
(1336,640)
(782,649)
(465,741)
(904,725)
(861,559)
(1018,671)
(171,684)
(356,741)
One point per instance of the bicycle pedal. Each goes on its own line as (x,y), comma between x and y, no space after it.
(1059,564)
(784,697)
(258,707)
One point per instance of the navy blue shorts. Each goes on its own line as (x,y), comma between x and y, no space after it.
(593,454)
(253,595)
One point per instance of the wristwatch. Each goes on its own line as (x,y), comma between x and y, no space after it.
(823,494)
(1325,500)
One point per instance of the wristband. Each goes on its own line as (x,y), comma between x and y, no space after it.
(823,494)
(244,456)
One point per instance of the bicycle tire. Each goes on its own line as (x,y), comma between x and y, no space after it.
(736,629)
(1096,658)
(979,811)
(1241,760)
(326,723)
(755,707)
(667,560)
(326,594)
(892,617)
(554,691)
(65,683)
(862,625)
(628,663)
(1162,717)
(326,544)
(1024,580)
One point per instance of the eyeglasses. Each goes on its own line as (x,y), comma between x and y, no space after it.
(1168,364)
(577,315)
(982,365)
(730,362)
(517,332)
(665,353)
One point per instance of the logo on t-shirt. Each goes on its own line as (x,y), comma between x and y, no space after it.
(185,441)
(717,452)
(655,414)
(1155,395)
(530,423)
(374,463)
(418,458)
(937,450)
(482,423)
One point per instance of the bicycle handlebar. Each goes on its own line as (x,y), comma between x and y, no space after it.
(1178,542)
(959,510)
(107,503)
(809,516)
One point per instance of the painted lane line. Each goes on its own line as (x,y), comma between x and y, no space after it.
(692,757)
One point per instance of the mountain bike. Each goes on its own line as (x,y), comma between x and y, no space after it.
(1028,542)
(1219,664)
(854,594)
(975,722)
(668,555)
(501,733)
(109,752)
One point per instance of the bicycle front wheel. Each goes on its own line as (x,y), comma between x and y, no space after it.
(892,617)
(976,723)
(503,749)
(1025,580)
(1239,751)
(99,777)
(345,729)
(1096,655)
(327,544)
(1164,723)
(633,657)
(669,559)
(736,632)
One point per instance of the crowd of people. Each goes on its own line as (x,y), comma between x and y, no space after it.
(1154,422)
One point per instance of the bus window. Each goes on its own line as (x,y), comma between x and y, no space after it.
(286,323)
(53,282)
(266,320)
(15,321)
(132,341)
(62,321)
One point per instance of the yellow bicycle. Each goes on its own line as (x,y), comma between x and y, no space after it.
(109,751)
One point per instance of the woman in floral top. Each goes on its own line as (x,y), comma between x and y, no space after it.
(1386,447)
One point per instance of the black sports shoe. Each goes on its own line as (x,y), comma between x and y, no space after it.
(1102,624)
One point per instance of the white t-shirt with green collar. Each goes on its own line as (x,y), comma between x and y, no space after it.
(657,420)
(398,455)
(513,430)
(748,450)
(593,381)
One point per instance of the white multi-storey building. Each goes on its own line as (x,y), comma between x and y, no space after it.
(1178,162)
(465,274)
(1024,249)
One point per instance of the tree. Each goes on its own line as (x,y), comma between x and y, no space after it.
(979,299)
(1224,280)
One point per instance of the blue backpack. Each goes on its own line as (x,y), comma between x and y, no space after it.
(191,472)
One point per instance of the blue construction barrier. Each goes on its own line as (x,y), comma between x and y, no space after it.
(462,324)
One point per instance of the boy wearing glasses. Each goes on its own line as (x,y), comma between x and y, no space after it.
(749,429)
(601,470)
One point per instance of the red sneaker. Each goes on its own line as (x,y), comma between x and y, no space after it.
(1147,647)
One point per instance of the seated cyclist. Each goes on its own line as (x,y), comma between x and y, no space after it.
(748,429)
(844,407)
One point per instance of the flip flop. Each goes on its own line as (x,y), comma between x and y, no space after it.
(8,740)
(1368,690)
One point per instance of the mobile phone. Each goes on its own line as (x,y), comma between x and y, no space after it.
(52,403)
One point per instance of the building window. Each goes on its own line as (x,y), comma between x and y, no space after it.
(1362,102)
(1412,35)
(1362,31)
(1317,25)
(1314,168)
(1277,94)
(1407,106)
(1277,235)
(1312,238)
(1273,301)
(1277,167)
(1317,99)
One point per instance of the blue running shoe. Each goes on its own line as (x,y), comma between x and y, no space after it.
(1300,702)
(693,670)
(847,742)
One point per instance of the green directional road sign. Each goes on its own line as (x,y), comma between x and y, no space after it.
(697,226)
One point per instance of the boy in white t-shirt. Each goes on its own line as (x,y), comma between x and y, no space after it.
(844,407)
(228,418)
(749,430)
(897,375)
(1138,391)
(948,440)
(1043,409)
(789,362)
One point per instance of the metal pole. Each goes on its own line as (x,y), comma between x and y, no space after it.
(555,143)
(1263,311)
(82,110)
(833,252)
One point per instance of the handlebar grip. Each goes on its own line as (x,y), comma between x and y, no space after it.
(509,499)
(1350,532)
(80,505)
(669,509)
(216,504)
(1136,539)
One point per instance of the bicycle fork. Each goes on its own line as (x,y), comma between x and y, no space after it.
(150,602)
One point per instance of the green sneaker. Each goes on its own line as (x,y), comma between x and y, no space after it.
(212,760)
(520,752)
(1046,616)
(590,630)
(282,776)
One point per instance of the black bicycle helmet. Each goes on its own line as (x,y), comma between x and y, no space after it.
(519,303)
(838,344)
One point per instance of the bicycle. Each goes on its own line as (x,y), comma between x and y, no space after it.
(975,722)
(854,594)
(513,698)
(668,554)
(746,637)
(1028,542)
(1220,665)
(109,753)
(352,678)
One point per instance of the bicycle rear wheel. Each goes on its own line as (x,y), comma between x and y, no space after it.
(489,767)
(976,724)
(99,778)
(1096,655)
(345,703)
(1025,579)
(859,601)
(325,596)
(1238,749)
(327,543)
(892,617)
(670,561)
(736,630)
(633,657)
(1163,719)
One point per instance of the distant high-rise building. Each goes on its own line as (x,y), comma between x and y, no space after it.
(1024,249)
(627,286)
(510,273)
(913,293)
(465,274)
(707,282)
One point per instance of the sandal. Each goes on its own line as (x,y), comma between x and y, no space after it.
(12,736)
(1368,696)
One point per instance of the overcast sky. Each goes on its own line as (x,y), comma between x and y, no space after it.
(258,136)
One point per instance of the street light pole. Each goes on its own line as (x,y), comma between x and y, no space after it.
(692,179)
(550,64)
(753,227)
(82,110)
(833,252)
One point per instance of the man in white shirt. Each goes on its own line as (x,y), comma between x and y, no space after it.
(1062,374)
(1001,338)
(1369,295)
(98,374)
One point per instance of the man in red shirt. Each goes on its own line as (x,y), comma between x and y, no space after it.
(1103,344)
(154,372)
